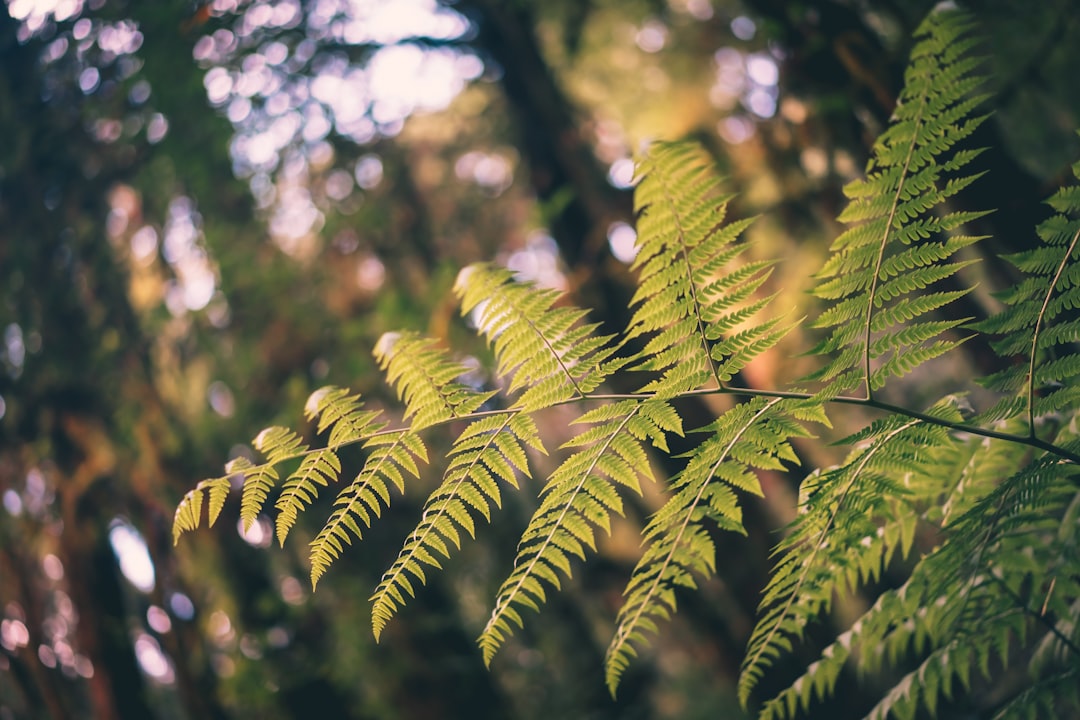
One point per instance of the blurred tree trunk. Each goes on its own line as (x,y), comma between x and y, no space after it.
(568,179)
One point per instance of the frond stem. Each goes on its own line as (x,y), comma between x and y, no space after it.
(1028,440)
(1038,327)
(885,243)
(693,290)
(1033,442)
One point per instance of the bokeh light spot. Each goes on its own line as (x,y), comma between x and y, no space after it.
(54,569)
(152,660)
(158,619)
(132,554)
(743,28)
(181,606)
(622,239)
(621,173)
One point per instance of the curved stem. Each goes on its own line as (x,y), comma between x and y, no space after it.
(1038,327)
(1029,440)
(884,244)
(1033,442)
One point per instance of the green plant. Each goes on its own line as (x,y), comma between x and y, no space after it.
(995,583)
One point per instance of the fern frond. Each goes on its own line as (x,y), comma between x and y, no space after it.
(820,678)
(1054,696)
(543,346)
(691,290)
(935,676)
(968,602)
(188,513)
(391,456)
(342,412)
(277,444)
(302,487)
(1008,534)
(489,450)
(752,435)
(904,621)
(337,410)
(984,514)
(1040,322)
(971,613)
(579,496)
(852,520)
(1055,663)
(257,485)
(425,379)
(882,264)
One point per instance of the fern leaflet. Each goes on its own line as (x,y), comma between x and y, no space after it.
(579,496)
(390,457)
(301,488)
(902,621)
(1048,381)
(689,296)
(752,435)
(489,450)
(546,348)
(838,543)
(891,254)
(277,444)
(425,379)
(188,513)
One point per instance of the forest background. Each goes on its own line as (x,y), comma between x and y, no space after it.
(209,210)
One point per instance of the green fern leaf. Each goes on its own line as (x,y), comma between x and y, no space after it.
(891,254)
(837,544)
(277,444)
(302,487)
(1039,322)
(544,347)
(984,514)
(1056,695)
(903,622)
(188,513)
(391,456)
(973,599)
(341,412)
(752,435)
(257,485)
(578,497)
(425,379)
(691,291)
(490,449)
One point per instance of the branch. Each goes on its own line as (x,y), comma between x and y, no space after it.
(1030,441)
(1038,327)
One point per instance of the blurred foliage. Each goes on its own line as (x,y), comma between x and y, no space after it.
(209,209)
